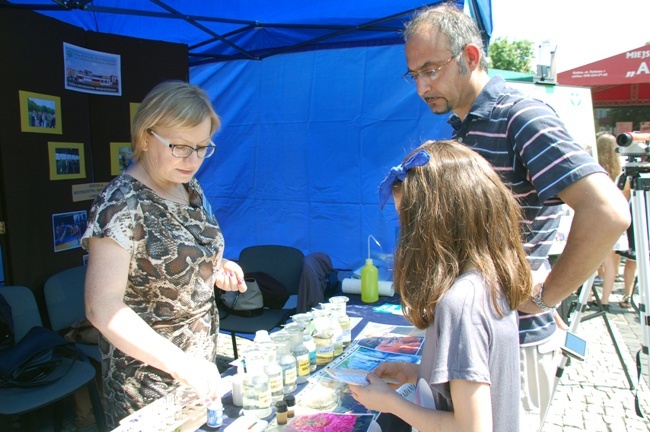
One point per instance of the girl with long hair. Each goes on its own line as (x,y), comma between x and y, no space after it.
(461,272)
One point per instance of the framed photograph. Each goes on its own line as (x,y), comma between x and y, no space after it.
(67,229)
(90,71)
(40,113)
(120,157)
(66,160)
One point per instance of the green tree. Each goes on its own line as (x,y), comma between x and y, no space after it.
(512,56)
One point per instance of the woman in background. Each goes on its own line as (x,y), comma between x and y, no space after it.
(461,271)
(610,159)
(154,256)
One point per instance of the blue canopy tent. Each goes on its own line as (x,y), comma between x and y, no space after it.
(313,106)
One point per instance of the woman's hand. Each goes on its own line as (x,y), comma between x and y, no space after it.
(401,372)
(203,376)
(230,277)
(375,396)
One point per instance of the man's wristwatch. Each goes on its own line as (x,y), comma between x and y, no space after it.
(537,299)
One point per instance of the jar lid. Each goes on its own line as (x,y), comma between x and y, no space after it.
(281,406)
(290,400)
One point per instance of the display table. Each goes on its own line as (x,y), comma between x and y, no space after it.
(183,412)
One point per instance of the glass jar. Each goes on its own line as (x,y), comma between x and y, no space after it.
(261,336)
(299,351)
(305,320)
(323,338)
(286,360)
(340,311)
(256,389)
(337,331)
(272,370)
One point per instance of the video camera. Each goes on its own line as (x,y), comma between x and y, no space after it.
(633,144)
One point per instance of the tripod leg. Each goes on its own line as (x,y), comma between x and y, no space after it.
(640,220)
(573,326)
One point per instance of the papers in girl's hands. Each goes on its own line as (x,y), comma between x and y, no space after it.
(355,376)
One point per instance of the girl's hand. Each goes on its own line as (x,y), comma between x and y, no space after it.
(230,277)
(375,396)
(401,372)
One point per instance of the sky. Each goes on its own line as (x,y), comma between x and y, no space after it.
(584,31)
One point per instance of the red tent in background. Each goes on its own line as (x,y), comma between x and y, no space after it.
(621,80)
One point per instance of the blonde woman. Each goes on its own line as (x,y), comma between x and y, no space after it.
(155,254)
(610,160)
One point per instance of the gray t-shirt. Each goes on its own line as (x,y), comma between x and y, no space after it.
(469,341)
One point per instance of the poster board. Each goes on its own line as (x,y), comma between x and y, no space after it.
(574,106)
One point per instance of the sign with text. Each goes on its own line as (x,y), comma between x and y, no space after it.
(87,191)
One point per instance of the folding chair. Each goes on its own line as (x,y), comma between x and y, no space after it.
(285,264)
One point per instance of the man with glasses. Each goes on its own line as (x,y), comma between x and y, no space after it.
(529,147)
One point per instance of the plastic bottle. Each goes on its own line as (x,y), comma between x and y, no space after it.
(257,392)
(238,386)
(215,413)
(369,282)
(370,278)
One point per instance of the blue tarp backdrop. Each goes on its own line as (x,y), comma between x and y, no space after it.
(314,109)
(306,140)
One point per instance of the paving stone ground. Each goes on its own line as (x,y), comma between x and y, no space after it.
(595,395)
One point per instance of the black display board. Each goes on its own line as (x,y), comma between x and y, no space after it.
(32,61)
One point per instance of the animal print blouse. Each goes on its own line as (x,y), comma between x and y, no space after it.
(175,250)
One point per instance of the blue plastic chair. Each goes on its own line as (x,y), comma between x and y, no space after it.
(18,401)
(64,299)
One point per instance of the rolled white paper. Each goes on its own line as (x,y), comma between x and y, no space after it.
(353,286)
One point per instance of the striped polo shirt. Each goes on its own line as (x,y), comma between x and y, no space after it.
(528,145)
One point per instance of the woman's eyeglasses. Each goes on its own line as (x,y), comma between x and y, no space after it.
(183,151)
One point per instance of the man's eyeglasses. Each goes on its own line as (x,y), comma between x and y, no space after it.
(183,151)
(427,75)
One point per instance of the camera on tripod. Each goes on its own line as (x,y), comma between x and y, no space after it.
(633,144)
